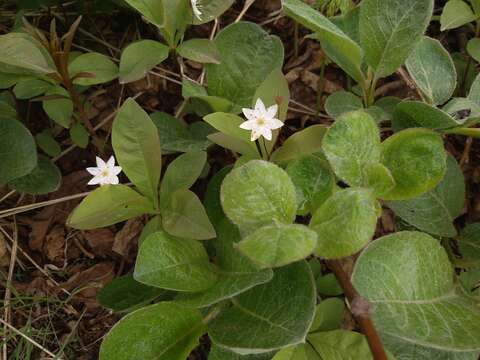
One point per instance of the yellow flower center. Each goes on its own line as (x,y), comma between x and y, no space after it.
(260,121)
(104,173)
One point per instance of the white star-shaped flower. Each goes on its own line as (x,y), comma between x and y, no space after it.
(105,172)
(196,9)
(261,121)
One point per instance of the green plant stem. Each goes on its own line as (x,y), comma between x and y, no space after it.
(363,318)
(473,132)
(259,149)
(267,154)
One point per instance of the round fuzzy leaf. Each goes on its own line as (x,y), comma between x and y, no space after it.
(219,353)
(413,293)
(124,293)
(279,313)
(409,114)
(164,331)
(435,210)
(29,88)
(473,48)
(108,205)
(328,315)
(174,264)
(341,102)
(200,50)
(296,352)
(139,58)
(389,31)
(18,153)
(247,56)
(98,65)
(313,180)
(433,70)
(59,110)
(278,245)
(44,178)
(379,179)
(417,161)
(345,223)
(22,54)
(351,145)
(258,193)
(469,242)
(455,14)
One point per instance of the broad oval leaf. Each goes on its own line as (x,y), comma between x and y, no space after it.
(59,110)
(338,46)
(229,124)
(434,211)
(44,178)
(236,273)
(455,14)
(174,264)
(433,70)
(341,102)
(98,65)
(389,31)
(409,114)
(473,48)
(184,216)
(279,313)
(352,144)
(219,353)
(18,153)
(29,88)
(314,182)
(164,331)
(345,223)
(22,54)
(416,159)
(212,9)
(139,58)
(414,294)
(200,50)
(108,205)
(258,193)
(137,148)
(247,56)
(328,315)
(278,245)
(296,352)
(469,242)
(152,10)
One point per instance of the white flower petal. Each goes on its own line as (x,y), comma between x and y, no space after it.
(94,171)
(116,170)
(247,125)
(113,180)
(255,135)
(260,108)
(95,180)
(275,124)
(272,111)
(249,113)
(111,162)
(100,162)
(267,133)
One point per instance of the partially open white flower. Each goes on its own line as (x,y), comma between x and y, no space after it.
(196,9)
(105,172)
(261,121)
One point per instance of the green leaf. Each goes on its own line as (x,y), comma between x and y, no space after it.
(139,58)
(473,48)
(248,55)
(258,193)
(328,315)
(7,111)
(414,295)
(345,223)
(137,147)
(328,285)
(341,102)
(304,142)
(457,107)
(410,114)
(151,10)
(29,88)
(22,54)
(44,178)
(182,173)
(351,145)
(79,135)
(336,44)
(59,110)
(108,205)
(314,182)
(297,352)
(18,153)
(8,80)
(474,94)
(433,70)
(379,179)
(279,313)
(341,344)
(212,202)
(455,14)
(278,245)
(469,242)
(47,143)
(174,264)
(184,216)
(212,9)
(229,124)
(164,331)
(200,50)
(389,31)
(124,294)
(219,353)
(435,210)
(234,144)
(416,159)
(236,272)
(99,65)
